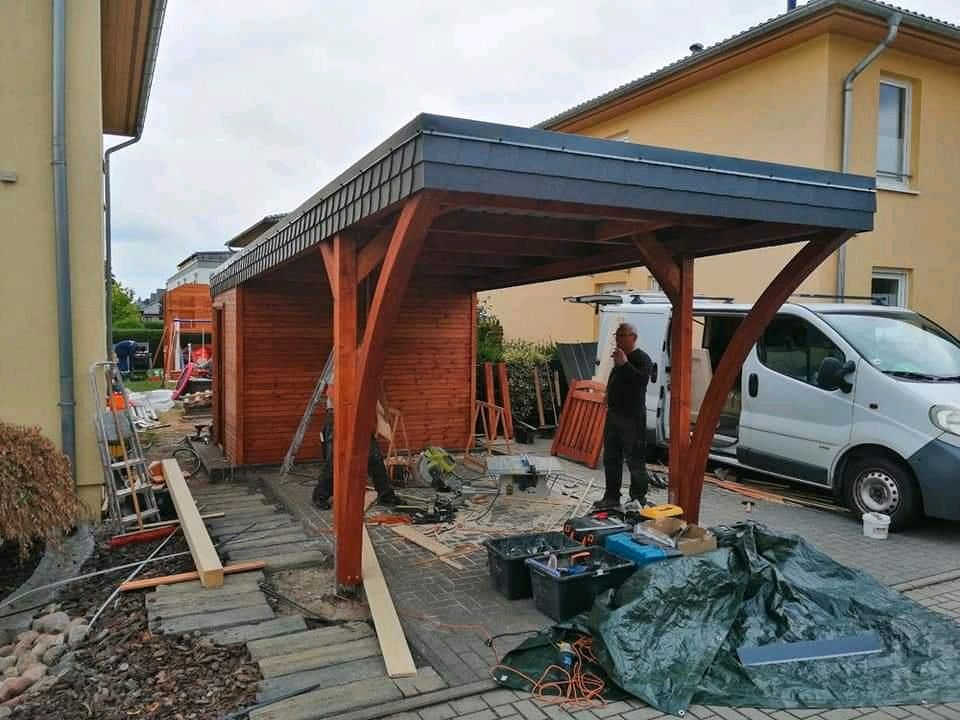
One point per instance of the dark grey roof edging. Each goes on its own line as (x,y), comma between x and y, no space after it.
(440,153)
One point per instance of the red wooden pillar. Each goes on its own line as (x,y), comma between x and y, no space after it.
(778,291)
(505,394)
(490,396)
(358,394)
(681,358)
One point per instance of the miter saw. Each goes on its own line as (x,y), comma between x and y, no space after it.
(434,468)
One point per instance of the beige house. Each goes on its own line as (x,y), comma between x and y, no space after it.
(776,93)
(100,53)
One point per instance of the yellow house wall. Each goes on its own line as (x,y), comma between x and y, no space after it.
(788,108)
(29,371)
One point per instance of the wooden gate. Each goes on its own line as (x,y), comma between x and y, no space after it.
(580,434)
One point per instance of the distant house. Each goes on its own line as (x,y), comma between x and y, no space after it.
(775,92)
(196,269)
(151,308)
(254,231)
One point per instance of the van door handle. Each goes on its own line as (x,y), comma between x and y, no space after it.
(653,373)
(753,384)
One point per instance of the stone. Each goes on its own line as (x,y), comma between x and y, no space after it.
(22,648)
(26,661)
(12,687)
(53,654)
(28,636)
(5,712)
(42,644)
(66,664)
(57,622)
(77,635)
(35,672)
(7,636)
(6,650)
(11,672)
(7,662)
(78,621)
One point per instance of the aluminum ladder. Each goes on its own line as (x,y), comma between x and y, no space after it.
(129,488)
(326,377)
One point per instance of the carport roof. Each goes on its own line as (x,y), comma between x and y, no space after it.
(524,205)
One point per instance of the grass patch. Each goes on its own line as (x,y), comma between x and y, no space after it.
(141,385)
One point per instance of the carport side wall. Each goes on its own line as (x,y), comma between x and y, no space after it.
(278,341)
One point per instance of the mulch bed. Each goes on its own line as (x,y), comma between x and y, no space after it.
(14,570)
(124,671)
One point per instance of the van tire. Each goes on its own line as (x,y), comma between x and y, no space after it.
(875,483)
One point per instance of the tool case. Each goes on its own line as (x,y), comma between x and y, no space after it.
(569,588)
(506,556)
(624,545)
(593,529)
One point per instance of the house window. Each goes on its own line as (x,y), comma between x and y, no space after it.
(620,137)
(893,134)
(610,287)
(889,287)
(653,285)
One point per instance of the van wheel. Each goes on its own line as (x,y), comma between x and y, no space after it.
(882,485)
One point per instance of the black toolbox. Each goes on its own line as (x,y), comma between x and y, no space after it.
(506,560)
(593,530)
(564,592)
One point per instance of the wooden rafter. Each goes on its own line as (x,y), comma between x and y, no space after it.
(612,229)
(495,224)
(739,238)
(612,260)
(505,245)
(746,335)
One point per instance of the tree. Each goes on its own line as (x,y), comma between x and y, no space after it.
(125,312)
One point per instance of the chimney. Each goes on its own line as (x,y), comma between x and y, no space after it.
(696,48)
(791,5)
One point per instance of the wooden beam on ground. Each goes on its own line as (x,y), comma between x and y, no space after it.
(393,643)
(167,523)
(746,335)
(681,360)
(198,539)
(148,583)
(624,257)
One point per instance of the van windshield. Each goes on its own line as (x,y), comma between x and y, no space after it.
(905,345)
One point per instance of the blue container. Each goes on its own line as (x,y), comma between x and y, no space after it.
(623,545)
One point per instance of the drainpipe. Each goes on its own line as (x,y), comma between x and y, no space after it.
(150,63)
(893,25)
(61,234)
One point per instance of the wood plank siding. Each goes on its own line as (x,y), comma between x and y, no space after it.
(276,345)
(226,387)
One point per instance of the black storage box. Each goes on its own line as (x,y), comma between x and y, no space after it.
(591,530)
(506,560)
(562,597)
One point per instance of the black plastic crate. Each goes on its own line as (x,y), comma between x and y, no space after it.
(565,596)
(506,560)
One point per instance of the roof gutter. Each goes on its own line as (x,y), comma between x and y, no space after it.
(150,64)
(893,26)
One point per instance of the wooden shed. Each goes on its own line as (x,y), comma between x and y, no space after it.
(191,305)
(446,207)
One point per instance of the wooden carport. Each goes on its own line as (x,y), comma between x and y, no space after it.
(496,206)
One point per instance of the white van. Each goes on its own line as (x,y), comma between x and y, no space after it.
(863,400)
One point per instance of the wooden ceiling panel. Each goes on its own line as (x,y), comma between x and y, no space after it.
(124,25)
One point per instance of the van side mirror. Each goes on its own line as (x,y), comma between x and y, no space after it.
(832,374)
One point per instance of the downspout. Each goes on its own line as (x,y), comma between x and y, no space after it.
(61,234)
(893,25)
(150,62)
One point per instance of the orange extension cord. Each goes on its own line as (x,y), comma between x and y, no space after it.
(576,689)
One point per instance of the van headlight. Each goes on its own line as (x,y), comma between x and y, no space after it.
(946,417)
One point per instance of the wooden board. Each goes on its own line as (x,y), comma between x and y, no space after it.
(393,643)
(201,547)
(579,436)
(167,523)
(418,538)
(148,583)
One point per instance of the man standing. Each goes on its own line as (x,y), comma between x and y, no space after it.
(375,468)
(625,430)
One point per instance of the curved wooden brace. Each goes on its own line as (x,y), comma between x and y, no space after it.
(357,389)
(660,263)
(807,259)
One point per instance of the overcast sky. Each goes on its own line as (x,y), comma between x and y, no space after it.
(256,105)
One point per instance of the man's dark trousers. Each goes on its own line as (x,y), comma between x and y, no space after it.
(625,438)
(375,467)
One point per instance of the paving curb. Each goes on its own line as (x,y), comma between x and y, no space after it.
(927,581)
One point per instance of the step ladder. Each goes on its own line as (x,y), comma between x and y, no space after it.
(131,500)
(326,377)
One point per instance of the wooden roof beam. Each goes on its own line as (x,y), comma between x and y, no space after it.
(743,237)
(488,260)
(612,229)
(504,245)
(467,222)
(612,260)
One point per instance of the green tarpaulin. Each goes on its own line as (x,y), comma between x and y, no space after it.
(670,635)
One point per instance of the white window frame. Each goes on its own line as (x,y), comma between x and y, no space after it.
(620,136)
(903,182)
(901,276)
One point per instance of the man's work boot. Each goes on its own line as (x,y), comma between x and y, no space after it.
(390,499)
(636,504)
(607,503)
(321,502)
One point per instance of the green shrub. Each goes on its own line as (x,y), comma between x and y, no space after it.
(38,500)
(523,358)
(153,324)
(489,335)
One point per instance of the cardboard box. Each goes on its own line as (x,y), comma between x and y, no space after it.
(693,541)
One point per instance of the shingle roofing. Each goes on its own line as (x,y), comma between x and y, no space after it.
(869,7)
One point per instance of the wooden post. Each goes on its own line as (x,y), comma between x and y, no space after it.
(490,396)
(539,395)
(505,394)
(681,357)
(778,291)
(345,508)
(358,394)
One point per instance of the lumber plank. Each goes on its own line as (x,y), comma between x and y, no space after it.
(238,582)
(198,603)
(318,657)
(187,576)
(393,643)
(216,620)
(287,625)
(168,523)
(198,539)
(330,701)
(418,538)
(409,705)
(335,635)
(333,676)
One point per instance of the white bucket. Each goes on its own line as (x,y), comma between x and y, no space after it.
(876,525)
